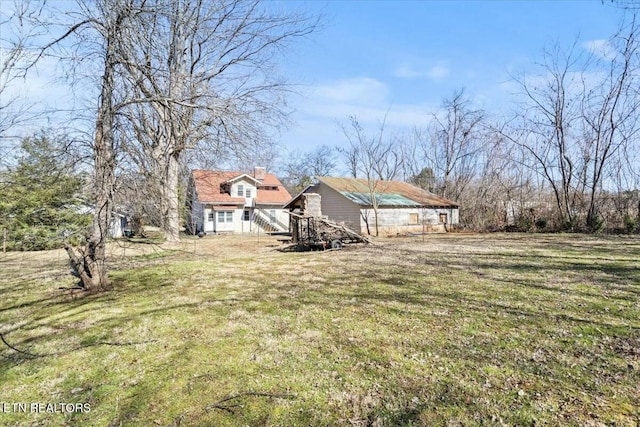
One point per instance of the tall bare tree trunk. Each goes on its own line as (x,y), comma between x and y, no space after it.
(375,214)
(90,261)
(205,69)
(171,217)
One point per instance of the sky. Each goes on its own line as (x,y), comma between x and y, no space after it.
(403,58)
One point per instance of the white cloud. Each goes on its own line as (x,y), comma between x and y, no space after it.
(601,48)
(406,72)
(360,90)
(396,115)
(321,111)
(436,72)
(574,82)
(364,97)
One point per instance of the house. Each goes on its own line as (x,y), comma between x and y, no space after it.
(236,202)
(401,207)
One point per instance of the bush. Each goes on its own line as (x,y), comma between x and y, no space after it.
(630,223)
(569,225)
(597,224)
(541,223)
(524,224)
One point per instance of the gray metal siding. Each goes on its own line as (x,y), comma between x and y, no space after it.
(337,207)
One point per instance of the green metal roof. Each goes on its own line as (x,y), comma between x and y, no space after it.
(388,193)
(382,199)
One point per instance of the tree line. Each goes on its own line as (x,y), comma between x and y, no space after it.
(566,159)
(171,83)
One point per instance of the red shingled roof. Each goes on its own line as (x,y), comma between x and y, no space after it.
(208,185)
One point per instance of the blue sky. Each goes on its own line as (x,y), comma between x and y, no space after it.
(405,57)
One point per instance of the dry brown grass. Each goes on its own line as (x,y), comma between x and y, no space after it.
(227,330)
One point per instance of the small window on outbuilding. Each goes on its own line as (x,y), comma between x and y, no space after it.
(413,218)
(443,218)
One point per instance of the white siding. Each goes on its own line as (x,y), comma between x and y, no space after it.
(390,217)
(239,225)
(246,184)
(116,228)
(200,212)
(281,216)
(401,216)
(397,220)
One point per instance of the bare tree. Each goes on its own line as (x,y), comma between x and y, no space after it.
(205,71)
(95,35)
(351,157)
(15,55)
(450,144)
(581,112)
(299,168)
(375,158)
(548,128)
(172,74)
(108,21)
(610,113)
(502,192)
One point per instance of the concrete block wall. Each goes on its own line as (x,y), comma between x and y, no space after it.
(311,204)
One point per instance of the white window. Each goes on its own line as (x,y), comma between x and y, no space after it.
(247,193)
(225,216)
(246,215)
(272,215)
(211,216)
(240,190)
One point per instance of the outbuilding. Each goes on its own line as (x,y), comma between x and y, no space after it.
(390,206)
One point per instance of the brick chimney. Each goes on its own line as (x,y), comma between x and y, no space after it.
(259,172)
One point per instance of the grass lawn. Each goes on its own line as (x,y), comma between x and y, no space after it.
(455,330)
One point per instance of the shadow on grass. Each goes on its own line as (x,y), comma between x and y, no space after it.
(532,270)
(474,293)
(59,306)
